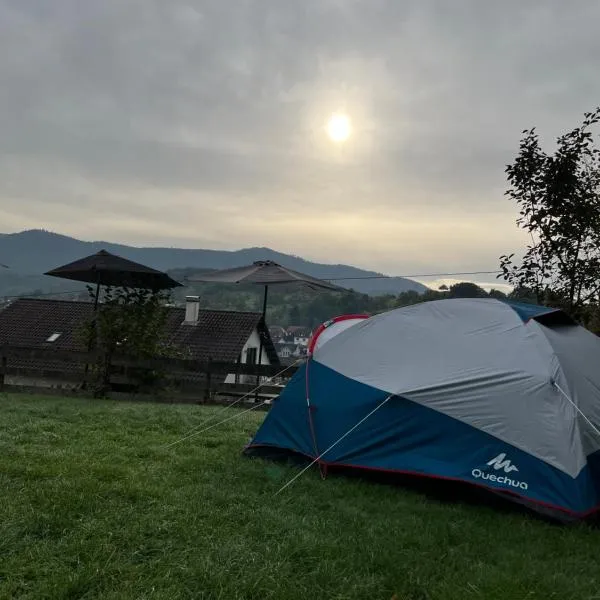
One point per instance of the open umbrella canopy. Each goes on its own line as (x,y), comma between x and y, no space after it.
(106,269)
(265,272)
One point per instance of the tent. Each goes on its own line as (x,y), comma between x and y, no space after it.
(499,395)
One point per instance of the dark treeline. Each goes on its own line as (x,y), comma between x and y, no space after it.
(295,306)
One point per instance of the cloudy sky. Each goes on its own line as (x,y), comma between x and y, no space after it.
(203,123)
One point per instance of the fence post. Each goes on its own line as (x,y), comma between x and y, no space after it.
(208,381)
(258,382)
(238,365)
(104,386)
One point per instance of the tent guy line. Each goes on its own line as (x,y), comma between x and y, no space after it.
(412,275)
(575,407)
(366,277)
(225,408)
(43,294)
(318,458)
(233,417)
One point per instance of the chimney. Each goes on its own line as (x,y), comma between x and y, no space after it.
(192,309)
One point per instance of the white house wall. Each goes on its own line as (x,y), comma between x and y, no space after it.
(252,342)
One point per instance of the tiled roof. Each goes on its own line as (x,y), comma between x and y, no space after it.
(276,331)
(218,335)
(30,322)
(298,329)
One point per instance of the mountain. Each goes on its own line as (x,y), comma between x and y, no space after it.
(31,253)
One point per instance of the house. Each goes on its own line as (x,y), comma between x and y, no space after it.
(300,351)
(220,336)
(301,340)
(277,333)
(298,331)
(291,353)
(286,350)
(297,335)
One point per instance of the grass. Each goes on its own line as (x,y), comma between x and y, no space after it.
(94,506)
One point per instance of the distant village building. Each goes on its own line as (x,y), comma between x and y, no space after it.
(277,333)
(291,343)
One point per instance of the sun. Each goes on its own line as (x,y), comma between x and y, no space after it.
(339,128)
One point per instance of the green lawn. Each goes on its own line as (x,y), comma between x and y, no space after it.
(95,506)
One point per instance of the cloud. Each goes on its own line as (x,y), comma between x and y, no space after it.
(202,123)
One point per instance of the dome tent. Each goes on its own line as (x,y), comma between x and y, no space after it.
(500,395)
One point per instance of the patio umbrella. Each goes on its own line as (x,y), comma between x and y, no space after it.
(265,273)
(104,268)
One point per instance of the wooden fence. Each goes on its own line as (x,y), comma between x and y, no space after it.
(172,380)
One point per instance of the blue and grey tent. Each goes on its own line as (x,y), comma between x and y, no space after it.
(499,395)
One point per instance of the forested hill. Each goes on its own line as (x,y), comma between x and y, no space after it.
(31,253)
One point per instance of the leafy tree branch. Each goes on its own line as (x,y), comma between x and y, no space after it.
(558,197)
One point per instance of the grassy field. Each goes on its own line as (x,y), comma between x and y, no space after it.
(95,506)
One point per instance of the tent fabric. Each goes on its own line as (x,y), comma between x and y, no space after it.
(531,311)
(482,392)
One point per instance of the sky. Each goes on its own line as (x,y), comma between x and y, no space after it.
(203,123)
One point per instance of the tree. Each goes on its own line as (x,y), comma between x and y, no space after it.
(558,196)
(295,315)
(523,294)
(132,323)
(466,289)
(498,294)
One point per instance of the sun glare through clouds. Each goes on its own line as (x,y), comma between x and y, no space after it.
(339,128)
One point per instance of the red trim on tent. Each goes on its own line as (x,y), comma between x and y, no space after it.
(311,423)
(480,485)
(311,347)
(321,328)
(581,515)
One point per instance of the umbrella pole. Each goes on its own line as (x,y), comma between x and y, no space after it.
(264,310)
(97,296)
(264,316)
(260,344)
(92,333)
